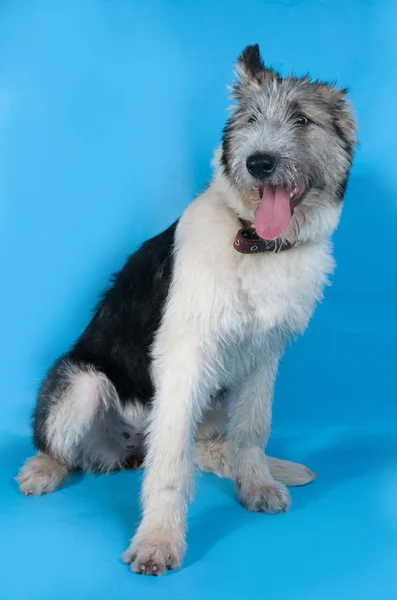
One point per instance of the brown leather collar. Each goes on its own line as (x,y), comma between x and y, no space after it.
(247,241)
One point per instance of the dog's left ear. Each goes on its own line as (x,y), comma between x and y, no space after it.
(343,114)
(252,74)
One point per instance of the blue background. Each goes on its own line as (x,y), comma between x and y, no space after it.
(89,92)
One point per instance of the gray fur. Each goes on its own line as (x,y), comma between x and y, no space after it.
(315,158)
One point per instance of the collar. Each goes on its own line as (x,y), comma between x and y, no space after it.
(247,241)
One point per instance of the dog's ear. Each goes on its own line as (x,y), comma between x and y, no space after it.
(341,108)
(252,74)
(250,64)
(346,121)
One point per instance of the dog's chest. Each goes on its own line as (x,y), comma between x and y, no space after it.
(281,290)
(274,298)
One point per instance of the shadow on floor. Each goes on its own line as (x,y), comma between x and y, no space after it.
(343,458)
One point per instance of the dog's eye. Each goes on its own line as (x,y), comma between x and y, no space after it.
(301,120)
(252,119)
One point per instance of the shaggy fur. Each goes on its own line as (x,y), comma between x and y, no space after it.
(184,347)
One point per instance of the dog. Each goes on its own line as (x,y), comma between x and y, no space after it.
(180,358)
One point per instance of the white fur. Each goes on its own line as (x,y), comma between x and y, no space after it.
(135,415)
(88,392)
(225,325)
(76,409)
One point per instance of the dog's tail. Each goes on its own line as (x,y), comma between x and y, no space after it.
(290,473)
(212,456)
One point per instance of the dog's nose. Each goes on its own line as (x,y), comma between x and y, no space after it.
(261,165)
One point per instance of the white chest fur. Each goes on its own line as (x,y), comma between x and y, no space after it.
(220,299)
(282,289)
(274,290)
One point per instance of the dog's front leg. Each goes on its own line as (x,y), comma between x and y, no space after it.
(250,420)
(159,543)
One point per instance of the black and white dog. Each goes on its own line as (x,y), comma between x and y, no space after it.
(184,346)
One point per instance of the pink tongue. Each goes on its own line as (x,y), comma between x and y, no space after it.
(274,212)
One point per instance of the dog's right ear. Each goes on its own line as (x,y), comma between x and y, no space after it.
(251,72)
(250,64)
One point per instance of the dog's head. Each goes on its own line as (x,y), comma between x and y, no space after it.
(287,149)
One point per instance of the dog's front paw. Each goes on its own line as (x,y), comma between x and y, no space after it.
(155,553)
(271,498)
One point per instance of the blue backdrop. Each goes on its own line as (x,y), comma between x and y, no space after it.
(87,91)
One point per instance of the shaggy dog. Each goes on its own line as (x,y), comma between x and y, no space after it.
(183,349)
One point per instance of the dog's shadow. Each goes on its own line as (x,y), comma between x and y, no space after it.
(350,456)
(116,493)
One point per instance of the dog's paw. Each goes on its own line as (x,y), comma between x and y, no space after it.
(271,498)
(154,554)
(41,474)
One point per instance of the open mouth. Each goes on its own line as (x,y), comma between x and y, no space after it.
(276,207)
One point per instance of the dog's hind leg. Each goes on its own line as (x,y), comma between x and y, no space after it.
(212,453)
(212,457)
(77,425)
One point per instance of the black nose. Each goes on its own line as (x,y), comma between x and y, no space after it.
(260,165)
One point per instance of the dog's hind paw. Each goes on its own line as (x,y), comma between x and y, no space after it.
(41,474)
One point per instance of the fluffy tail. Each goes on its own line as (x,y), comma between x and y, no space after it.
(290,473)
(212,456)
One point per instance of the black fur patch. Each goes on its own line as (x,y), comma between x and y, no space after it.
(252,60)
(226,147)
(119,337)
(346,143)
(349,149)
(54,386)
(340,192)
